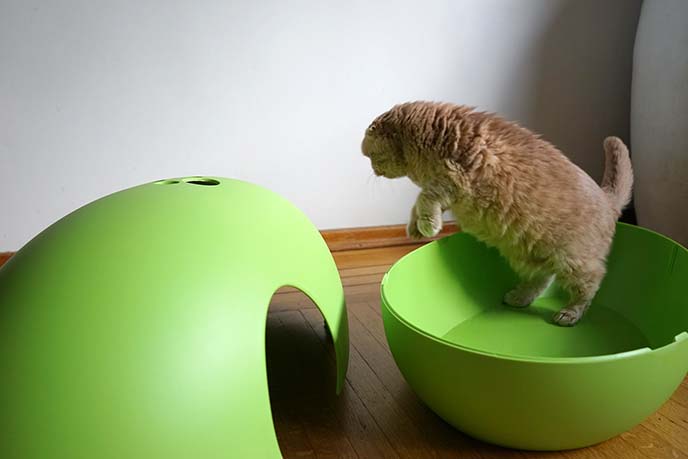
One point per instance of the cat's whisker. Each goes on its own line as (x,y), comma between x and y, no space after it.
(374,178)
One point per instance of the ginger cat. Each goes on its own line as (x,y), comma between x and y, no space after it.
(509,188)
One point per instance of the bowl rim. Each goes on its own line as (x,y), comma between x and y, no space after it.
(681,337)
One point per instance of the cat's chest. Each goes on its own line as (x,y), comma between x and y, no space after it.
(479,221)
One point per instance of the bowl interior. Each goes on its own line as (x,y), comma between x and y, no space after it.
(452,290)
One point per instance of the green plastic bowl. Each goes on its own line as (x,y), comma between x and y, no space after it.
(513,378)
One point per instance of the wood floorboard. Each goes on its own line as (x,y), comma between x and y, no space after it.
(651,444)
(668,430)
(377,415)
(362,271)
(371,257)
(316,403)
(367,437)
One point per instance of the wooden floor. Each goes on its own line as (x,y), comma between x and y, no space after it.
(377,415)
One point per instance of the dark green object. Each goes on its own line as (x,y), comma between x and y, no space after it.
(511,377)
(135,326)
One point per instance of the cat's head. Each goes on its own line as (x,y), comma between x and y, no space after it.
(384,150)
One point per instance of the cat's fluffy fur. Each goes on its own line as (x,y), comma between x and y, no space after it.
(510,189)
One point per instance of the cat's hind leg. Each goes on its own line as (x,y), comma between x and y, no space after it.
(535,274)
(528,290)
(582,285)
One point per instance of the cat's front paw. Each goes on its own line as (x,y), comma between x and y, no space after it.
(429,226)
(412,230)
(517,298)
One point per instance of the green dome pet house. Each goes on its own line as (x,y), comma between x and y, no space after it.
(135,326)
(511,377)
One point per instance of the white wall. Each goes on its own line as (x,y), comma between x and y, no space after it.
(97,96)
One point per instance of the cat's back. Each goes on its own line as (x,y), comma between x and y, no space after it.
(501,153)
(502,168)
(522,185)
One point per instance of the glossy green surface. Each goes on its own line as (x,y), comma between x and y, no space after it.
(510,376)
(135,326)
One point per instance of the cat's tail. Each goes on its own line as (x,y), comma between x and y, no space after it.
(617,181)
